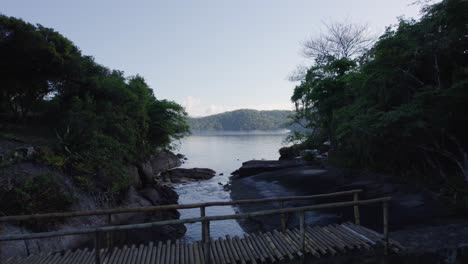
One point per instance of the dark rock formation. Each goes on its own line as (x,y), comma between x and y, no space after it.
(184,175)
(253,167)
(163,161)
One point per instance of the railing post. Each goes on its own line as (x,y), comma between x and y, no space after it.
(109,234)
(207,244)
(385,227)
(97,249)
(283,218)
(1,229)
(302,230)
(203,224)
(357,217)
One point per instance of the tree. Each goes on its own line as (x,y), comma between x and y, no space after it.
(340,40)
(401,106)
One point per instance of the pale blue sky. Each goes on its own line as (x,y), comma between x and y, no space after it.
(210,56)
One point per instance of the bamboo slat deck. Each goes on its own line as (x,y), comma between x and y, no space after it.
(269,247)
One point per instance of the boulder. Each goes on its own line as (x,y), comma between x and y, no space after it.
(163,161)
(146,172)
(151,195)
(253,167)
(134,176)
(25,153)
(183,175)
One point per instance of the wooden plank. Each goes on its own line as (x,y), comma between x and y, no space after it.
(190,254)
(167,259)
(162,258)
(132,255)
(256,243)
(256,248)
(357,233)
(172,260)
(324,240)
(319,245)
(138,256)
(196,253)
(272,245)
(230,248)
(221,255)
(275,240)
(159,252)
(150,253)
(331,232)
(250,254)
(227,252)
(177,252)
(294,236)
(283,242)
(344,237)
(264,246)
(243,254)
(112,258)
(354,235)
(200,252)
(330,236)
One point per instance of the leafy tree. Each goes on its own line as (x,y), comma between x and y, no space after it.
(101,120)
(401,106)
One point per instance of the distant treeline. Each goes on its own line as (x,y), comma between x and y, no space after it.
(242,120)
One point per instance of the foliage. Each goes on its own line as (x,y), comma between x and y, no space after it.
(100,120)
(242,120)
(401,106)
(40,194)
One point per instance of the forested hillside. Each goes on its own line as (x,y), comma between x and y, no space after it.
(93,120)
(399,105)
(242,120)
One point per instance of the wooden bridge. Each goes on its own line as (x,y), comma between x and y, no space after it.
(268,247)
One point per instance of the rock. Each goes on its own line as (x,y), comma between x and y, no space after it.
(134,176)
(181,175)
(25,153)
(152,195)
(180,156)
(220,183)
(253,167)
(221,174)
(163,161)
(146,172)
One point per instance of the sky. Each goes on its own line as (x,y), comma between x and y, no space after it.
(210,56)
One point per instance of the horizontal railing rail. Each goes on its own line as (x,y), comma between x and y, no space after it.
(148,209)
(189,220)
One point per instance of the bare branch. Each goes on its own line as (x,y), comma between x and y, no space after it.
(341,40)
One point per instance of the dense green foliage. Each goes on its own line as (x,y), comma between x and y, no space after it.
(242,120)
(99,119)
(402,105)
(41,194)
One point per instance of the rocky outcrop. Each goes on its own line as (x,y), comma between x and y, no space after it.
(144,191)
(163,161)
(185,175)
(253,167)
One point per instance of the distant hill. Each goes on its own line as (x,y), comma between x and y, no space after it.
(241,120)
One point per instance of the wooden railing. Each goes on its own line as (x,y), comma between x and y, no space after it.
(205,220)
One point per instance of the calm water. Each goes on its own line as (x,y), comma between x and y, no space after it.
(224,153)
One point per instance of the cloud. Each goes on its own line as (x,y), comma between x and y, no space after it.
(194,107)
